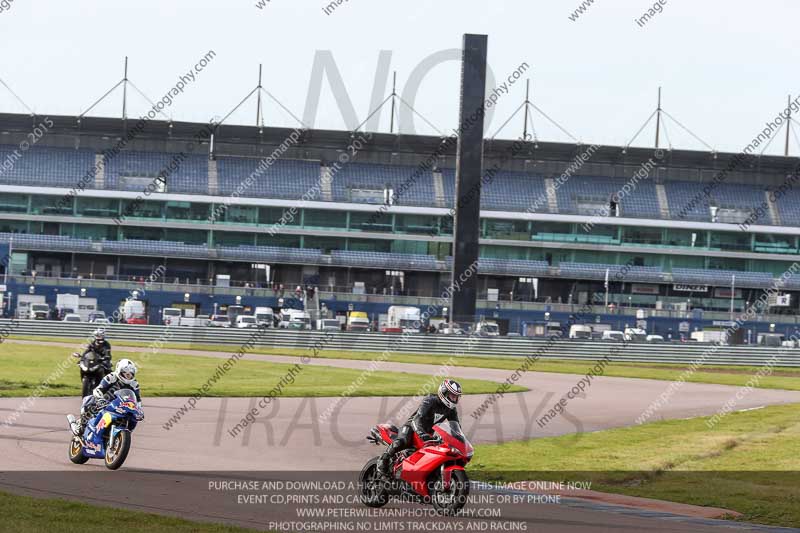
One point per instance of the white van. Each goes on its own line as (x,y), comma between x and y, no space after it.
(265,317)
(246,321)
(171,316)
(294,319)
(612,335)
(635,335)
(580,331)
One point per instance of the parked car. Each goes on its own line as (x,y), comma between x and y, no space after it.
(635,334)
(101,321)
(246,321)
(329,324)
(612,335)
(451,329)
(72,317)
(219,321)
(487,329)
(655,338)
(98,317)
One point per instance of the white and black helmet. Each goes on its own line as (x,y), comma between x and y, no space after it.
(125,371)
(99,334)
(450,393)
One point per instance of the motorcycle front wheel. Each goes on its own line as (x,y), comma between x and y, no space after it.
(372,485)
(450,501)
(117,451)
(86,387)
(76,451)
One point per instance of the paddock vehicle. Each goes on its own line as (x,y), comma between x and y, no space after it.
(402,319)
(134,312)
(487,329)
(635,335)
(108,434)
(265,317)
(219,321)
(429,472)
(246,321)
(98,317)
(357,321)
(612,335)
(580,331)
(171,316)
(294,319)
(329,324)
(39,311)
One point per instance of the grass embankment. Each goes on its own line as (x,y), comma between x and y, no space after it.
(24,367)
(781,378)
(749,462)
(24,514)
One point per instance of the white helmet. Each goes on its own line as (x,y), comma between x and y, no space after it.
(125,371)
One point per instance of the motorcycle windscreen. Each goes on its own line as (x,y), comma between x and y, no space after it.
(453,429)
(125,396)
(91,361)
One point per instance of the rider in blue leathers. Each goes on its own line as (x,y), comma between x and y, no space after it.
(122,378)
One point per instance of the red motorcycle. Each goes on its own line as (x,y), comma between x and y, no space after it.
(428,472)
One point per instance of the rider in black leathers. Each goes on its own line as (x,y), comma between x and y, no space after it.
(433,409)
(101,347)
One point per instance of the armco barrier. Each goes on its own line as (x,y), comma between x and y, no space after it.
(431,344)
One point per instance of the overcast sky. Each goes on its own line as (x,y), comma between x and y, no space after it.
(726,66)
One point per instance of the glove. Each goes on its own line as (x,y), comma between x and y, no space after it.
(139,412)
(98,394)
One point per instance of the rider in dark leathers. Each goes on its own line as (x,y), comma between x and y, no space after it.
(433,409)
(101,347)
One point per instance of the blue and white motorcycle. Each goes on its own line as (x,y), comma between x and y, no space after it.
(108,434)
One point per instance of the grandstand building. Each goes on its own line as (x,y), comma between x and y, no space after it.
(367,219)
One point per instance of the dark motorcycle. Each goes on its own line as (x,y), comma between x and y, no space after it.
(93,369)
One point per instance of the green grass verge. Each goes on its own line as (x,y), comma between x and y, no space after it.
(24,367)
(781,378)
(749,462)
(24,514)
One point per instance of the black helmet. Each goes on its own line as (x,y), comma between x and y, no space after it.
(450,392)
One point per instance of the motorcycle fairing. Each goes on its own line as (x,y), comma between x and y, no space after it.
(120,408)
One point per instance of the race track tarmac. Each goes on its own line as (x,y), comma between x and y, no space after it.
(170,467)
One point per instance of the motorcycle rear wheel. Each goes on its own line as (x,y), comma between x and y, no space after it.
(76,451)
(117,451)
(449,502)
(372,485)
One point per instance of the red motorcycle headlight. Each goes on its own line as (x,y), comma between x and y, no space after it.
(454,451)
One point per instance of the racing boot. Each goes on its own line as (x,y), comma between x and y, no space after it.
(385,465)
(80,427)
